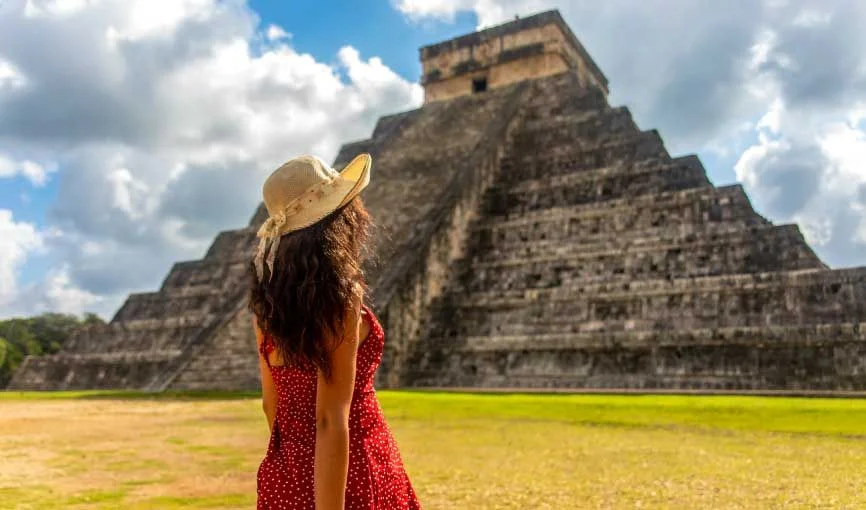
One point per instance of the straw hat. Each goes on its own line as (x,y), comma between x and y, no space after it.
(301,192)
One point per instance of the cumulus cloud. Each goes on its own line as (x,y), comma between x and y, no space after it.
(10,77)
(17,240)
(490,12)
(778,87)
(33,172)
(808,162)
(275,33)
(55,293)
(163,117)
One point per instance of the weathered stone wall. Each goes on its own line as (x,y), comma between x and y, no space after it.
(534,47)
(528,236)
(94,371)
(227,361)
(430,168)
(418,275)
(597,260)
(153,334)
(500,75)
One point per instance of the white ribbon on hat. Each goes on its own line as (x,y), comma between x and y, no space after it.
(269,240)
(269,233)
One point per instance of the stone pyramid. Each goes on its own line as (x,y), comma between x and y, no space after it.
(529,235)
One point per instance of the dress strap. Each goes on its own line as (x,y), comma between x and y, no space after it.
(266,348)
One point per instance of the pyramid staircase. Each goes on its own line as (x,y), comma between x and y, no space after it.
(154,336)
(597,260)
(527,236)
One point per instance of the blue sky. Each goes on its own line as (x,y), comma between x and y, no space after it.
(130,130)
(311,32)
(374,28)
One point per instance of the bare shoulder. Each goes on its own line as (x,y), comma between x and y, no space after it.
(257,330)
(364,318)
(364,327)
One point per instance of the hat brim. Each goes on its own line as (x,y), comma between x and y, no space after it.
(358,172)
(347,185)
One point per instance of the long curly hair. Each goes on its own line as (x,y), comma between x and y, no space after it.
(318,273)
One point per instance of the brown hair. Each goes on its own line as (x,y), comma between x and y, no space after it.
(317,276)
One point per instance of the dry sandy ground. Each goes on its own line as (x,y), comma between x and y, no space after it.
(137,453)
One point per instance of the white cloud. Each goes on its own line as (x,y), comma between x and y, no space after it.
(771,121)
(818,230)
(164,116)
(442,9)
(33,172)
(55,8)
(10,76)
(811,17)
(130,194)
(55,293)
(275,33)
(845,147)
(61,295)
(17,241)
(490,12)
(857,115)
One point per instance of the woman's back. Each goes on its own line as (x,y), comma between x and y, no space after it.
(376,476)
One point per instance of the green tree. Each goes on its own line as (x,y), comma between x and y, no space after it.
(10,358)
(92,319)
(4,352)
(35,336)
(52,329)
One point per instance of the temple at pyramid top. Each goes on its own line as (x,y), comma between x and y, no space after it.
(526,48)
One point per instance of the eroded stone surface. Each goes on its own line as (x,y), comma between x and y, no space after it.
(530,235)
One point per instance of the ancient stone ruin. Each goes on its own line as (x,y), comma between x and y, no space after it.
(530,235)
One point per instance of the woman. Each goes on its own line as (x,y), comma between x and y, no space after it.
(319,347)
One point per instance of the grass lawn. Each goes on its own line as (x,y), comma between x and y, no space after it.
(463,451)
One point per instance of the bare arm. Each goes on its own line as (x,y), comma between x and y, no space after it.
(333,399)
(269,391)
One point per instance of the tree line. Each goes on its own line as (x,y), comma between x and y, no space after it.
(43,334)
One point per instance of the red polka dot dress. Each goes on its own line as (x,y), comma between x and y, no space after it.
(376,477)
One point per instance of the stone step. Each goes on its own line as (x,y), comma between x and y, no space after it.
(790,357)
(486,249)
(215,370)
(91,371)
(805,334)
(705,206)
(530,193)
(757,250)
(469,324)
(582,127)
(207,275)
(835,278)
(644,383)
(455,121)
(482,239)
(535,321)
(550,174)
(171,303)
(136,335)
(234,245)
(217,361)
(821,295)
(611,150)
(561,95)
(542,123)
